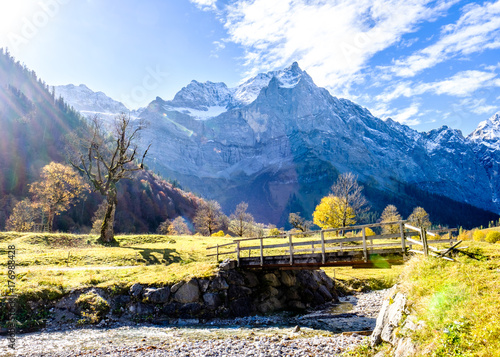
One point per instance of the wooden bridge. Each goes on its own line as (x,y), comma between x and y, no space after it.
(356,246)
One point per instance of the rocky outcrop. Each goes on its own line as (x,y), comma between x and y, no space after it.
(229,293)
(393,324)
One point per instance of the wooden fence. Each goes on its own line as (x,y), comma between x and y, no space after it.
(323,243)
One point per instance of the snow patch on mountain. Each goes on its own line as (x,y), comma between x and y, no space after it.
(488,132)
(91,103)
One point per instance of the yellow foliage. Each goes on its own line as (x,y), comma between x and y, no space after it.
(331,213)
(478,235)
(218,234)
(369,232)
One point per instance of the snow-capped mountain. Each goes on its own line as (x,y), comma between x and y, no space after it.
(90,103)
(278,142)
(485,141)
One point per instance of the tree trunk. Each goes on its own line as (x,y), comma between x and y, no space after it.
(107,231)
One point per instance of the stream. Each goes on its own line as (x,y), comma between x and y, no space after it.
(322,332)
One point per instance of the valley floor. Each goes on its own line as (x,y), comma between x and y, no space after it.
(326,332)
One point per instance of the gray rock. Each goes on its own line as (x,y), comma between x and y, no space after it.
(204,284)
(271,279)
(227,264)
(389,317)
(176,287)
(288,278)
(325,293)
(160,295)
(251,279)
(189,292)
(270,305)
(136,290)
(219,283)
(296,305)
(141,309)
(212,300)
(330,284)
(236,292)
(405,348)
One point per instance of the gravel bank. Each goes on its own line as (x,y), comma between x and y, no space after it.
(320,334)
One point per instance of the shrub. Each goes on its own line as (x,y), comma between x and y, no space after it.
(493,237)
(218,234)
(369,232)
(93,307)
(274,232)
(478,235)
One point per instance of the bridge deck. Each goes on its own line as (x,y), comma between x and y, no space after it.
(302,250)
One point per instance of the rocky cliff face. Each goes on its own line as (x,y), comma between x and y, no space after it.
(278,142)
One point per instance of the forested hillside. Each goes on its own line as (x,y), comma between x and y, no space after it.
(34,126)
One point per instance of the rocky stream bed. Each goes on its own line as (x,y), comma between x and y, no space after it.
(327,330)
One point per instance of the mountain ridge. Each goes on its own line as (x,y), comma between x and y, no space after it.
(292,138)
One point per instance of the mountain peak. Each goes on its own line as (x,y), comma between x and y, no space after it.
(488,130)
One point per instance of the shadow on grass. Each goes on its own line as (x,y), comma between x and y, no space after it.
(168,256)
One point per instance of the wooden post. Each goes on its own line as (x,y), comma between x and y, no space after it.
(238,252)
(423,236)
(341,248)
(403,240)
(312,248)
(261,251)
(291,248)
(217,253)
(322,247)
(365,252)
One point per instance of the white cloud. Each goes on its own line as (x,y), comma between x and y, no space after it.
(477,29)
(461,84)
(407,116)
(333,41)
(205,5)
(477,106)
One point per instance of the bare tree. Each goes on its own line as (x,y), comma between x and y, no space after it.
(241,222)
(106,158)
(349,192)
(298,222)
(209,217)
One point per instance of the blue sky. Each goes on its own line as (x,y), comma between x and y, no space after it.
(423,63)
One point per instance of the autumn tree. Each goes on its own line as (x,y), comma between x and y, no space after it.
(390,214)
(106,158)
(419,218)
(298,222)
(209,217)
(350,198)
(332,213)
(60,188)
(22,218)
(241,222)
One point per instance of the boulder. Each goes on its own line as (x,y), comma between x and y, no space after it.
(176,287)
(190,310)
(251,279)
(157,296)
(203,283)
(329,282)
(227,264)
(325,293)
(219,283)
(236,292)
(389,317)
(136,290)
(189,292)
(241,307)
(141,309)
(288,278)
(269,305)
(212,300)
(271,280)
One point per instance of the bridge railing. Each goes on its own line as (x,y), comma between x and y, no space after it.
(326,241)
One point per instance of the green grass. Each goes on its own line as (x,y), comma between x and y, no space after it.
(459,302)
